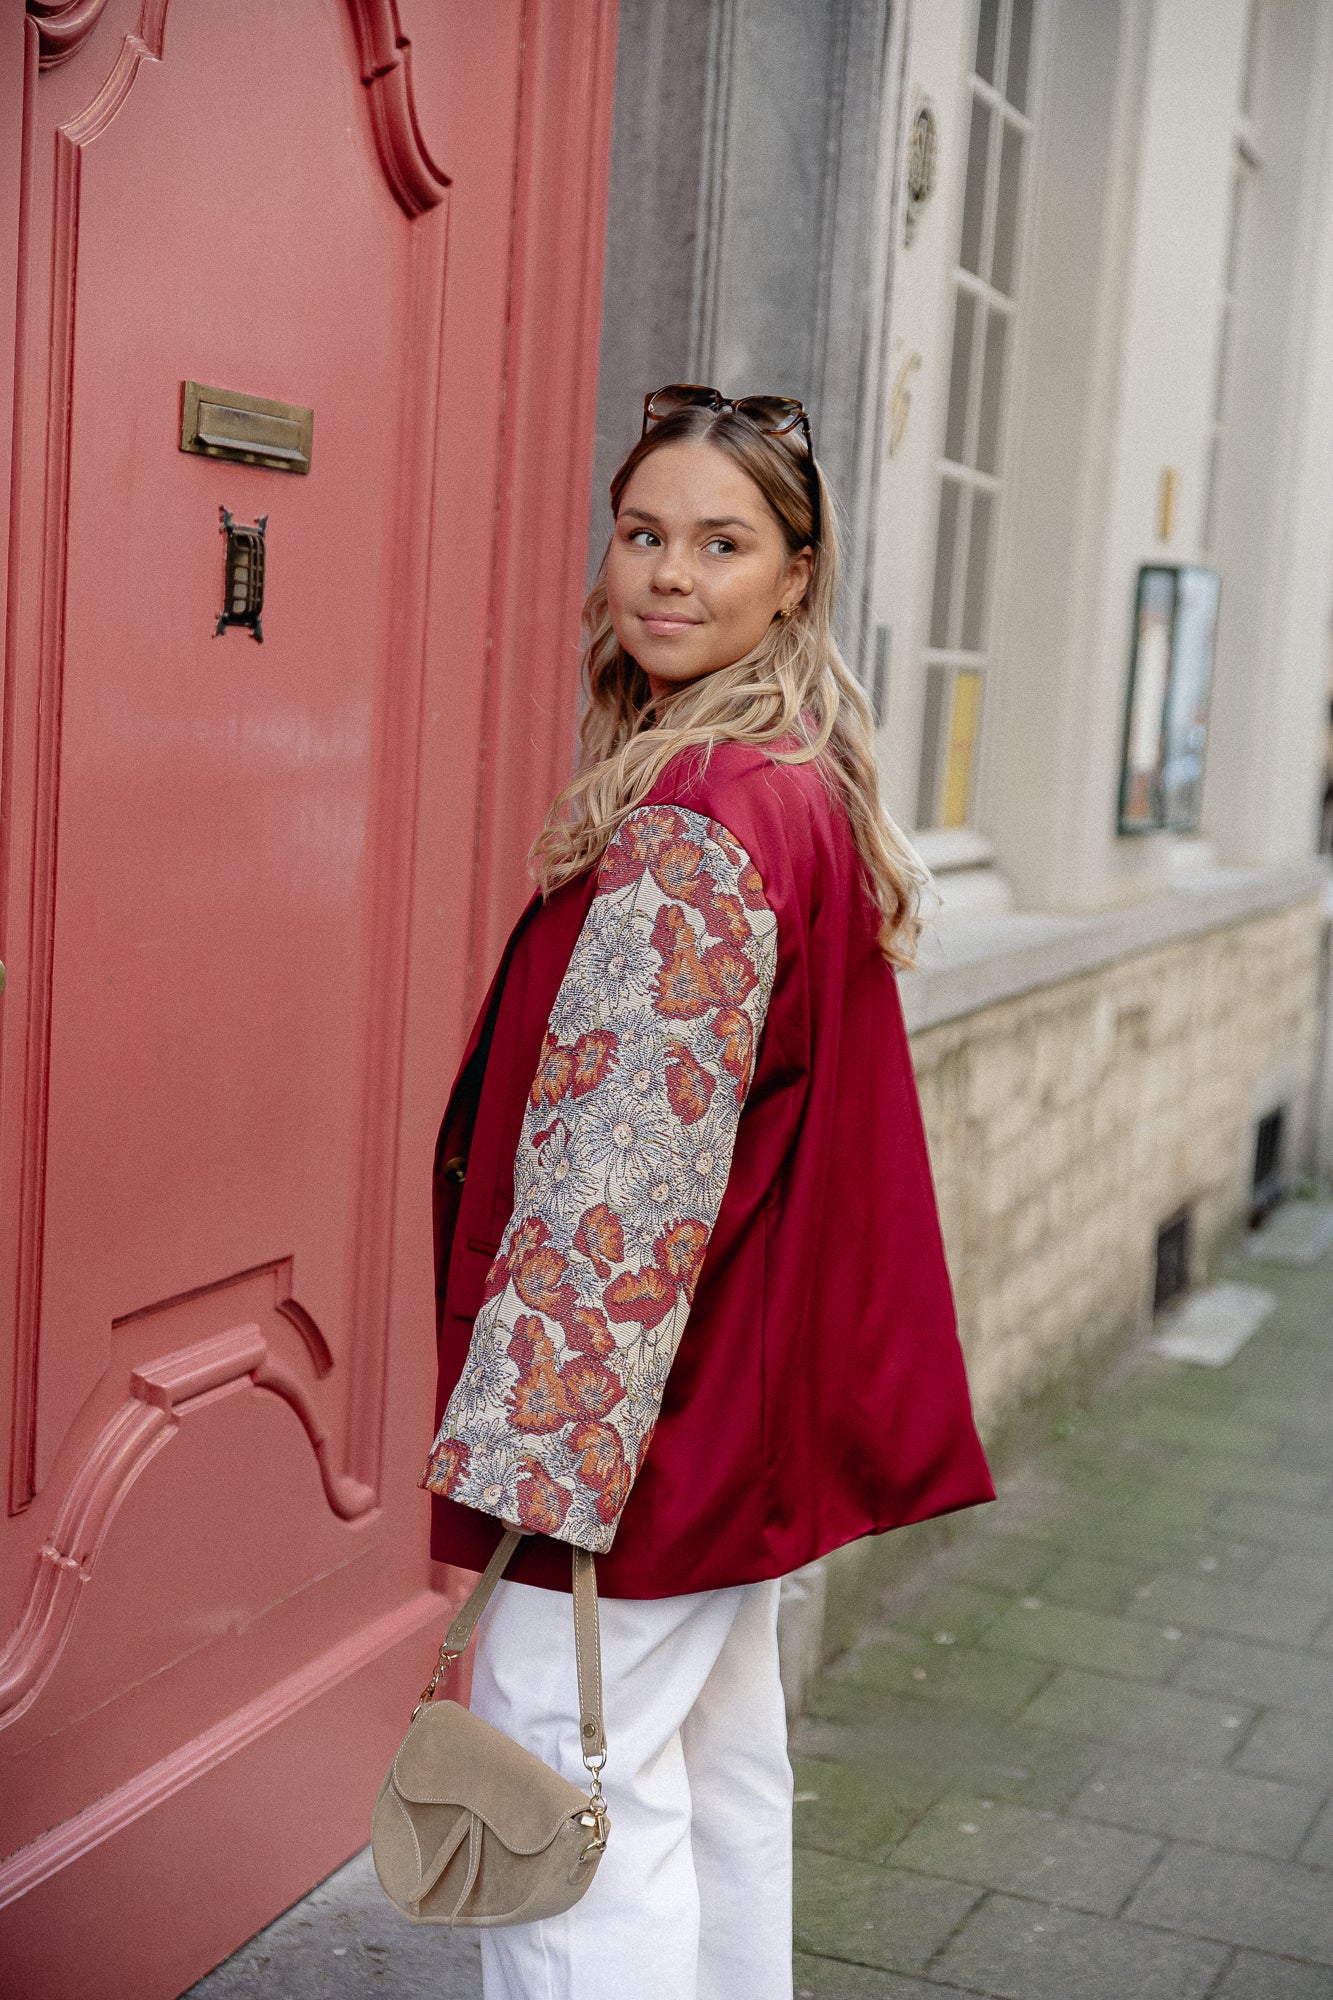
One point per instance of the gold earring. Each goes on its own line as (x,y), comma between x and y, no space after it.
(785,613)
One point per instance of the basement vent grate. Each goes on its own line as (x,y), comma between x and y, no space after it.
(1266,1192)
(1172,1275)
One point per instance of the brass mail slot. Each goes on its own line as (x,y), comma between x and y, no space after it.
(224,423)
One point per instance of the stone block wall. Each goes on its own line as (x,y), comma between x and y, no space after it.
(1068,1124)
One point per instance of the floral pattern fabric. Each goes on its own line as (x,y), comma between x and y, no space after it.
(626,1147)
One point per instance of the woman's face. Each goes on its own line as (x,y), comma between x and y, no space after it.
(699,566)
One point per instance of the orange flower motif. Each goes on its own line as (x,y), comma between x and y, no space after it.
(537,1401)
(728,842)
(730,973)
(539,1273)
(446,1468)
(725,916)
(679,1252)
(591,1059)
(590,1386)
(600,1237)
(587,1332)
(555,1072)
(684,989)
(542,1505)
(637,844)
(602,1466)
(751,886)
(645,1296)
(733,1030)
(678,870)
(689,1086)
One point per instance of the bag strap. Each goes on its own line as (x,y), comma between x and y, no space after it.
(587,1641)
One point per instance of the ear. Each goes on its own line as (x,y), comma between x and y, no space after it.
(799,571)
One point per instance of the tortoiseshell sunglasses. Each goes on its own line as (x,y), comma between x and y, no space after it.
(774,416)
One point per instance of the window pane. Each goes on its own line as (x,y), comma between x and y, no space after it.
(1020,42)
(1209,536)
(1223,364)
(1250,67)
(1006,210)
(945,543)
(960,368)
(988,20)
(978,561)
(992,388)
(1233,234)
(956,791)
(937,687)
(974,200)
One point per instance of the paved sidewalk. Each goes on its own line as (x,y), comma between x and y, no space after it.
(1090,1755)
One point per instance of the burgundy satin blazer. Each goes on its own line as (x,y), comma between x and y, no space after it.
(819,1393)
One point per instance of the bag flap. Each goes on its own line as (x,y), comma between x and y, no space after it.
(451,1757)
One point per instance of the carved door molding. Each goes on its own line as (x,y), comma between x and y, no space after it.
(115,1751)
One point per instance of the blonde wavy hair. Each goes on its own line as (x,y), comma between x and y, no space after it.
(794,683)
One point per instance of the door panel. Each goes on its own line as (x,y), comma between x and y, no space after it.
(214,871)
(238,884)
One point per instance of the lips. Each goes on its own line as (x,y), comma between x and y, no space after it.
(662,625)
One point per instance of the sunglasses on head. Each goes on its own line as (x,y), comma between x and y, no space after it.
(773,416)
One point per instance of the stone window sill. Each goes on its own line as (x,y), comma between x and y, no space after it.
(971,958)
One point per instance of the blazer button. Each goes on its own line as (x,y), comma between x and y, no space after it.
(454,1170)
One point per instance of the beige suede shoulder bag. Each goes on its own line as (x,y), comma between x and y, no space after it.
(471,1828)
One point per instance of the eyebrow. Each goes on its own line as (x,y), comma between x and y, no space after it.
(720,521)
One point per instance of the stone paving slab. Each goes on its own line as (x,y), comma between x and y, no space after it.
(1029,1853)
(1287,1527)
(1287,1746)
(1025,1951)
(1289,1616)
(1274,1906)
(1254,1976)
(1318,1848)
(909,1664)
(830,1979)
(875,1916)
(1275,1677)
(1076,1638)
(1134,1715)
(1194,1802)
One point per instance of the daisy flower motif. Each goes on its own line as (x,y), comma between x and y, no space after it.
(582,1525)
(575,1008)
(643,1401)
(704,1152)
(624,1135)
(493,1480)
(484,1379)
(566,1184)
(652,1206)
(614,957)
(641,1060)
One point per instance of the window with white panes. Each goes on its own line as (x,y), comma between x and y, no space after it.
(1246,162)
(985,281)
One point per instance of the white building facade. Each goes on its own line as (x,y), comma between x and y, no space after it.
(1056,279)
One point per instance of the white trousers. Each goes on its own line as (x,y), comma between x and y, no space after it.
(692,1899)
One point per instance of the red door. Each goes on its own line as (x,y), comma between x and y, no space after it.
(239,881)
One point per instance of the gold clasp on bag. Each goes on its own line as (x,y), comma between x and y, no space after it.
(596,1823)
(442,1666)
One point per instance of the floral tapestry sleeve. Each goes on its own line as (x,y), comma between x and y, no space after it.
(626,1146)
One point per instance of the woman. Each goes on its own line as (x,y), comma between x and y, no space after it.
(694,1312)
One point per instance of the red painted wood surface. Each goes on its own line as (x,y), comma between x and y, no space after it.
(248,890)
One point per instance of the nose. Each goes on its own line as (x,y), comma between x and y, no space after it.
(671,571)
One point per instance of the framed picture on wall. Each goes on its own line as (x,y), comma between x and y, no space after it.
(1170,682)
